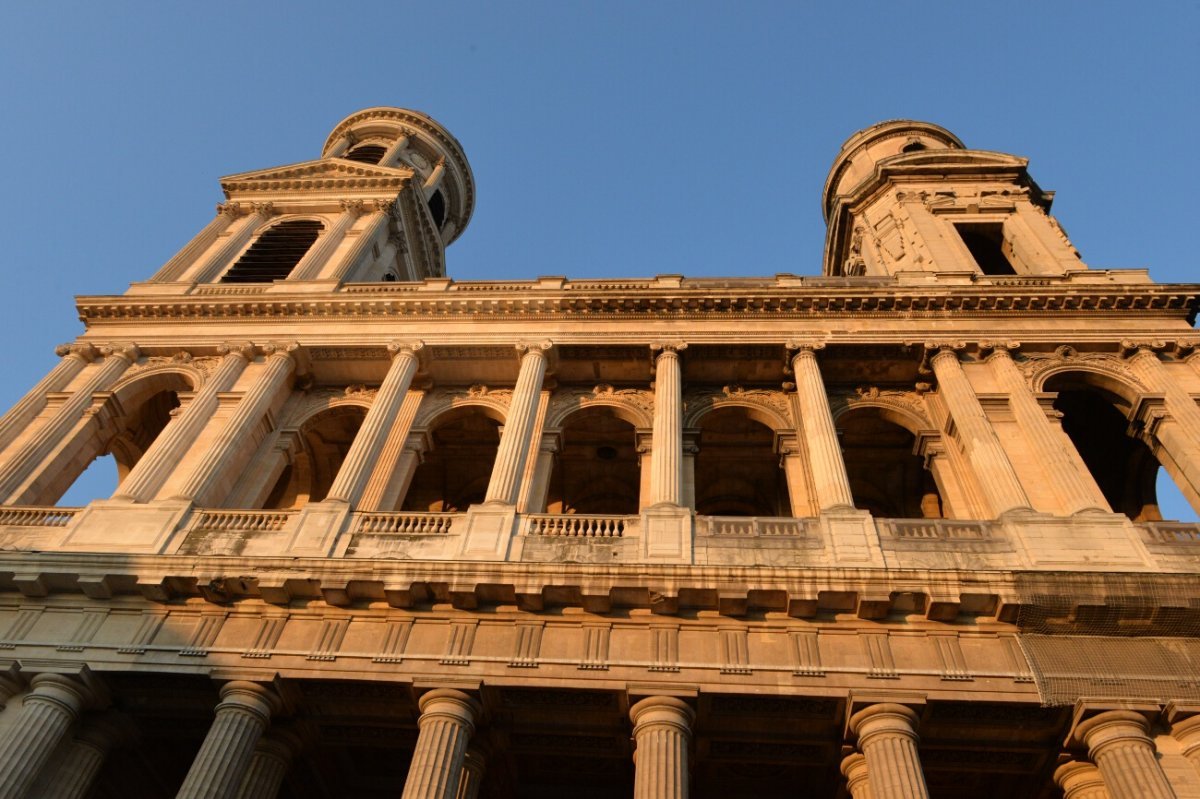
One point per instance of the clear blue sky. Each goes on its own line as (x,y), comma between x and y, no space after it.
(607,139)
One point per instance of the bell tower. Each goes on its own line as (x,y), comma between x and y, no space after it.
(909,197)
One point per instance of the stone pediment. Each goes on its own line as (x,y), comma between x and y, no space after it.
(325,173)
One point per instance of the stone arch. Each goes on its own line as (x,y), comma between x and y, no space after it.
(768,408)
(631,405)
(463,440)
(597,469)
(897,412)
(323,435)
(1104,371)
(737,469)
(886,475)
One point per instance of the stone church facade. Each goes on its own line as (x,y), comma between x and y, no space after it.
(890,531)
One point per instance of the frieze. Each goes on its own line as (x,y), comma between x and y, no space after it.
(348,353)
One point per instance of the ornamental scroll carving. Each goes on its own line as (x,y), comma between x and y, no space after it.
(907,403)
(698,402)
(441,400)
(326,398)
(639,403)
(1038,366)
(197,369)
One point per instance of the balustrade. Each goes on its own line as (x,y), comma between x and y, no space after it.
(404,523)
(753,525)
(241,521)
(578,525)
(36,517)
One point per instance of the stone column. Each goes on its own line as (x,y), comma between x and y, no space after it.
(403,451)
(391,158)
(378,220)
(310,265)
(887,736)
(666,462)
(152,469)
(446,725)
(220,766)
(1080,780)
(515,440)
(341,146)
(21,464)
(50,708)
(269,764)
(368,442)
(74,357)
(854,769)
(1071,478)
(474,767)
(795,471)
(249,412)
(830,482)
(226,246)
(662,732)
(1118,742)
(539,487)
(72,771)
(1187,732)
(1146,365)
(998,479)
(174,268)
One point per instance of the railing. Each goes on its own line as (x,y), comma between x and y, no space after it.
(403,523)
(37,517)
(754,525)
(578,526)
(936,529)
(241,521)
(1172,532)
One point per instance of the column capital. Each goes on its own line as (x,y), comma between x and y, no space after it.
(663,347)
(84,351)
(70,693)
(264,209)
(286,349)
(1113,726)
(1078,779)
(799,346)
(1132,348)
(257,698)
(662,711)
(885,718)
(450,704)
(1002,348)
(353,207)
(854,769)
(243,348)
(534,347)
(127,350)
(416,350)
(231,209)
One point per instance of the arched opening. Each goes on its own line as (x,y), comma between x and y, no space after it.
(737,471)
(323,442)
(597,470)
(437,207)
(366,153)
(886,477)
(275,253)
(458,465)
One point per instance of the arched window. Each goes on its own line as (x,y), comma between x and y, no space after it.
(458,465)
(597,467)
(886,477)
(737,469)
(324,441)
(275,253)
(437,207)
(366,153)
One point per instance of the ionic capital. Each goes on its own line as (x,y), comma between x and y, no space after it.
(128,351)
(397,348)
(1133,348)
(285,349)
(245,349)
(1003,349)
(83,351)
(538,347)
(797,346)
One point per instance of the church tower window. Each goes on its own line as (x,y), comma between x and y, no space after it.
(366,154)
(276,252)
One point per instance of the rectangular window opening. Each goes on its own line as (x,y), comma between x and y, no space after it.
(985,240)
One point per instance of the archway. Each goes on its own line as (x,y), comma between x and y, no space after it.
(597,469)
(886,477)
(737,470)
(458,466)
(324,440)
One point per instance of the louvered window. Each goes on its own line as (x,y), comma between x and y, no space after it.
(275,253)
(366,154)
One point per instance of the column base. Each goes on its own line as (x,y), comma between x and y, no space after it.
(667,534)
(488,532)
(120,526)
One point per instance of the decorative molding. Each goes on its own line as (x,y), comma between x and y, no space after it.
(638,402)
(1040,366)
(438,401)
(698,402)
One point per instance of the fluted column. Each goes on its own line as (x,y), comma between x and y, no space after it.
(339,148)
(662,733)
(50,708)
(1118,742)
(1187,732)
(153,468)
(273,755)
(392,156)
(1071,479)
(378,219)
(368,442)
(220,766)
(515,440)
(174,268)
(854,769)
(19,466)
(887,736)
(1145,364)
(249,412)
(1079,780)
(666,462)
(446,725)
(830,482)
(74,357)
(474,767)
(310,265)
(227,245)
(76,763)
(998,478)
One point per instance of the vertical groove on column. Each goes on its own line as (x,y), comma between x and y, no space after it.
(74,771)
(19,416)
(224,756)
(1131,771)
(895,770)
(667,436)
(264,776)
(820,435)
(446,724)
(514,442)
(46,716)
(662,733)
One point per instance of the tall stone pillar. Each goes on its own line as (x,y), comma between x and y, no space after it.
(1071,479)
(50,708)
(1187,732)
(75,765)
(854,769)
(1080,780)
(174,268)
(249,412)
(474,767)
(391,158)
(662,732)
(352,477)
(446,725)
(310,265)
(998,478)
(273,755)
(20,466)
(228,244)
(344,266)
(666,463)
(153,468)
(830,482)
(515,440)
(887,736)
(74,357)
(1118,742)
(341,146)
(220,766)
(1145,364)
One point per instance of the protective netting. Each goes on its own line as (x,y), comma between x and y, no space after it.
(1111,636)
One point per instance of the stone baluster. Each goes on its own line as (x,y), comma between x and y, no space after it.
(74,357)
(1144,363)
(666,461)
(226,246)
(1187,732)
(221,764)
(854,769)
(1118,742)
(352,477)
(52,705)
(272,759)
(1071,478)
(20,465)
(249,412)
(152,469)
(174,268)
(662,733)
(391,158)
(376,222)
(830,481)
(318,255)
(887,736)
(1079,780)
(76,763)
(474,767)
(446,725)
(998,478)
(518,426)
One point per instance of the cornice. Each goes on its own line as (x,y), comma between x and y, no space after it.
(326,174)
